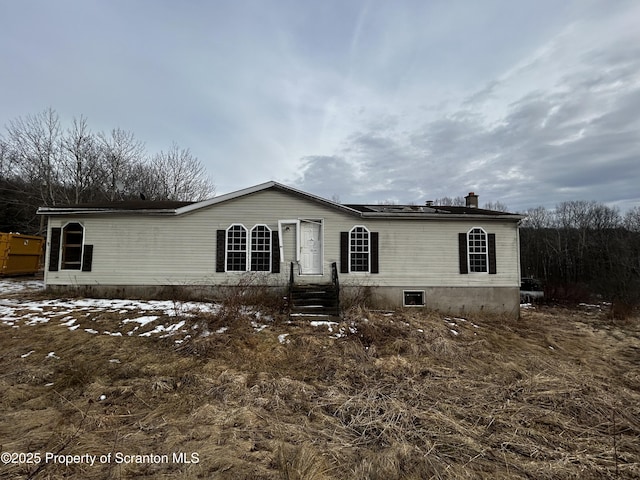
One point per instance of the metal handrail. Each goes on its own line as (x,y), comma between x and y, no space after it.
(290,300)
(336,284)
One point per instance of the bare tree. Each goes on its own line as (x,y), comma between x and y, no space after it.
(5,158)
(80,162)
(35,145)
(632,219)
(119,151)
(538,217)
(496,206)
(142,183)
(450,202)
(180,176)
(43,164)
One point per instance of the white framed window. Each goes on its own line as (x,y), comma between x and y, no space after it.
(72,243)
(359,249)
(260,249)
(236,248)
(477,250)
(413,298)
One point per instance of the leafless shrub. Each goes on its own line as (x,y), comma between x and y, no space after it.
(250,290)
(356,296)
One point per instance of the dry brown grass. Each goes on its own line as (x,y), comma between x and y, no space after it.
(553,395)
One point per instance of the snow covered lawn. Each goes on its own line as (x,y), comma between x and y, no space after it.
(115,317)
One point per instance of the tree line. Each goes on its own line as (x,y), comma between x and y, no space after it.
(43,163)
(583,250)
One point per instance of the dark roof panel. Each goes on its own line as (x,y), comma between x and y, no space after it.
(129,205)
(401,210)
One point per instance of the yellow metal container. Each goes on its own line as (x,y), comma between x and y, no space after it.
(20,254)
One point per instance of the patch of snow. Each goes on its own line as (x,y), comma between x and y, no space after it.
(329,325)
(52,355)
(142,320)
(90,330)
(282,338)
(258,327)
(161,328)
(220,330)
(114,360)
(35,320)
(263,317)
(179,341)
(11,286)
(69,321)
(25,355)
(454,333)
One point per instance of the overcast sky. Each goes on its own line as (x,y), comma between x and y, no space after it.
(524,102)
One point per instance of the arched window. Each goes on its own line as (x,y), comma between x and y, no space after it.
(236,248)
(260,249)
(477,250)
(72,241)
(359,249)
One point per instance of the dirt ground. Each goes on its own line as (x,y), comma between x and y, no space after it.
(378,395)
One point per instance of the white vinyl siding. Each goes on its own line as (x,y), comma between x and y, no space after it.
(140,249)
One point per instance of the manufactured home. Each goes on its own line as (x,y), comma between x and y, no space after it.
(457,260)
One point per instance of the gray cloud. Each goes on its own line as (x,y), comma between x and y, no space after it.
(577,139)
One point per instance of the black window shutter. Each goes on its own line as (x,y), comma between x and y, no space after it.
(275,252)
(462,251)
(375,267)
(220,246)
(54,253)
(492,253)
(87,258)
(344,252)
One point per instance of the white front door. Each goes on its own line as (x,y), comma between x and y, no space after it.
(310,247)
